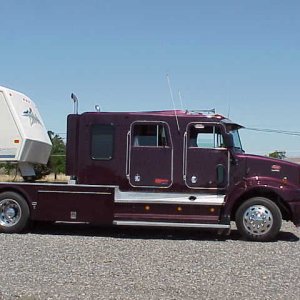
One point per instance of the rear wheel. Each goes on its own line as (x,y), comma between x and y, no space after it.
(258,219)
(14,212)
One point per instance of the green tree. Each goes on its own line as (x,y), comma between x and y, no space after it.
(278,154)
(8,167)
(41,171)
(57,161)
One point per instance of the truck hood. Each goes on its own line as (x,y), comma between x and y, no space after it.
(271,168)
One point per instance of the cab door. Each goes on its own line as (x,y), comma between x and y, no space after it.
(206,159)
(150,155)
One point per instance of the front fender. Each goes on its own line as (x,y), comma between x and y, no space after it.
(258,186)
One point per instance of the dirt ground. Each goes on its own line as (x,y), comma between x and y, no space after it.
(50,177)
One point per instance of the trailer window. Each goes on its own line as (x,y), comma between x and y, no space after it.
(102,142)
(205,136)
(151,135)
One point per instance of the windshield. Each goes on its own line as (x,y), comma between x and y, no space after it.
(237,145)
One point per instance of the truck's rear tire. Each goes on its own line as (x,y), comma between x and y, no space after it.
(14,213)
(258,219)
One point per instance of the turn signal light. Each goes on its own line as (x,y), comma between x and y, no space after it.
(179,208)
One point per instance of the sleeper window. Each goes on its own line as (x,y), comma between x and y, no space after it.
(102,142)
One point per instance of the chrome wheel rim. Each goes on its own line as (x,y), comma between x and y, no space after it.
(258,220)
(10,212)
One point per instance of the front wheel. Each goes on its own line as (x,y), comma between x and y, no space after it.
(258,219)
(14,212)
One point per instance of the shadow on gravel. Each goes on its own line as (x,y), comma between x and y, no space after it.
(145,233)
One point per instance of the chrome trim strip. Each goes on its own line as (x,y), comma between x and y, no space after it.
(171,224)
(128,154)
(170,201)
(184,156)
(71,192)
(71,222)
(58,184)
(228,168)
(168,198)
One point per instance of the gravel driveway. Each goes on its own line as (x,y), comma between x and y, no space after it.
(67,262)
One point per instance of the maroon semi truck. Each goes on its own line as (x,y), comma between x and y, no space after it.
(159,169)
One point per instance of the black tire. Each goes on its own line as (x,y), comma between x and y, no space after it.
(258,219)
(14,213)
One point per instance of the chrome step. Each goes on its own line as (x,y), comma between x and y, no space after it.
(169,224)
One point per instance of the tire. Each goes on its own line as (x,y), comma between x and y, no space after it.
(14,213)
(258,219)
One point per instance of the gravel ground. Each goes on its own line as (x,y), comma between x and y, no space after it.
(67,262)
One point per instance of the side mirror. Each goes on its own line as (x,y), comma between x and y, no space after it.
(228,139)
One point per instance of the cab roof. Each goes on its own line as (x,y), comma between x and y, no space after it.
(208,115)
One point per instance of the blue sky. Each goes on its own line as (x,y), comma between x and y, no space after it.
(237,56)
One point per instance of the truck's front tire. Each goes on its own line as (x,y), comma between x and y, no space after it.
(258,219)
(14,212)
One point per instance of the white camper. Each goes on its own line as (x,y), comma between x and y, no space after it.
(23,136)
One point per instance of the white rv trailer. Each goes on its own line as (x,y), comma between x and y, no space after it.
(23,136)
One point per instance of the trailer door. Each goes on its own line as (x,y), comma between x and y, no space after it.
(149,155)
(206,160)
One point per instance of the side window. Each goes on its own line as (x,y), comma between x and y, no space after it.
(149,135)
(205,136)
(102,142)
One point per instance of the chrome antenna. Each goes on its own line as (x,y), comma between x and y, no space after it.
(180,98)
(171,94)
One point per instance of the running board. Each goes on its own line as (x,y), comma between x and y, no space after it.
(168,224)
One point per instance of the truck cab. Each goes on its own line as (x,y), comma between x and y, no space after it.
(151,151)
(182,166)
